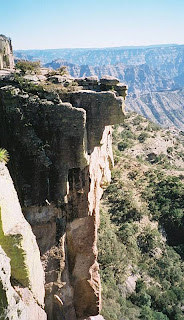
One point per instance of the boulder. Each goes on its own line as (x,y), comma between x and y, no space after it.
(92,80)
(80,81)
(31,77)
(121,89)
(41,77)
(60,79)
(120,86)
(109,81)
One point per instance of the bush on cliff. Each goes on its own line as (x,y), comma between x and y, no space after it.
(62,71)
(28,66)
(4,156)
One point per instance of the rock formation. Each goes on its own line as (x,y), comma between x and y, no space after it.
(21,273)
(6,53)
(140,78)
(60,157)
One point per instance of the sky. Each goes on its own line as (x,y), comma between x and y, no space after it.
(44,24)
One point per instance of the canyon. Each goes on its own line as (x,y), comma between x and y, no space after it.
(152,73)
(60,146)
(60,256)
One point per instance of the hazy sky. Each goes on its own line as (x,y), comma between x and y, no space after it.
(34,24)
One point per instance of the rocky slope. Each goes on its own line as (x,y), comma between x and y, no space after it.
(141,235)
(165,108)
(59,140)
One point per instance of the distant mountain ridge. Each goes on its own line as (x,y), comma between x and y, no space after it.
(140,78)
(104,56)
(165,108)
(150,72)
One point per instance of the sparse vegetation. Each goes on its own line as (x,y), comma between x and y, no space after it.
(41,88)
(28,66)
(143,136)
(62,71)
(141,233)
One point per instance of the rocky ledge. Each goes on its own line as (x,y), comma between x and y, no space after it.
(58,135)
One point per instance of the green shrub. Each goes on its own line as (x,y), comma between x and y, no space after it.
(137,120)
(4,156)
(167,204)
(152,127)
(124,145)
(30,66)
(141,299)
(62,71)
(169,150)
(128,134)
(148,314)
(139,190)
(148,240)
(143,136)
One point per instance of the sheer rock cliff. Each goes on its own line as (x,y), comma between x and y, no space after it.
(21,272)
(6,53)
(60,157)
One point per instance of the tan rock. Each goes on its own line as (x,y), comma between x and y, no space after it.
(6,53)
(31,77)
(18,241)
(16,303)
(109,80)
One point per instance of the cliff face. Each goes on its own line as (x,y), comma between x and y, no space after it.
(22,295)
(6,53)
(60,151)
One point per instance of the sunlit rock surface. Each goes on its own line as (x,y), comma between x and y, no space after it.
(6,53)
(23,295)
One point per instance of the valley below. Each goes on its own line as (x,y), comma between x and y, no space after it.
(92,183)
(141,232)
(154,75)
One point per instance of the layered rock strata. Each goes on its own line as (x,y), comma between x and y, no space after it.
(6,53)
(106,83)
(61,155)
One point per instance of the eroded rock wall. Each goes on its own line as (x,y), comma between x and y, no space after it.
(61,156)
(6,53)
(21,273)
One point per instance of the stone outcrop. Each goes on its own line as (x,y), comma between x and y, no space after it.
(6,53)
(61,154)
(106,83)
(22,296)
